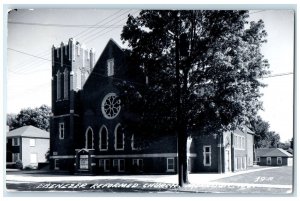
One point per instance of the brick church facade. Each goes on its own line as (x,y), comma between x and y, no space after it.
(86,135)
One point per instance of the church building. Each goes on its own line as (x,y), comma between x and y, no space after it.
(86,133)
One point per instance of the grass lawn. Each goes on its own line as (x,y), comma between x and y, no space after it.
(281,176)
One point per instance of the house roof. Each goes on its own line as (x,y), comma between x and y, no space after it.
(28,131)
(272,152)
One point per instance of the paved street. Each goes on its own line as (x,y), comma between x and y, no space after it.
(266,180)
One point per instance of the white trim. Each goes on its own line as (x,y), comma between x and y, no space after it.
(100,138)
(173,169)
(268,160)
(62,157)
(61,130)
(123,137)
(157,155)
(86,137)
(205,153)
(65,115)
(280,160)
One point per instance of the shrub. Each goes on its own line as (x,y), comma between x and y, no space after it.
(19,164)
(30,167)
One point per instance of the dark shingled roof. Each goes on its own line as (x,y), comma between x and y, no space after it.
(28,131)
(272,152)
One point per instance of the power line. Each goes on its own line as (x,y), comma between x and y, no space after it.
(94,36)
(117,17)
(279,74)
(258,11)
(115,78)
(42,53)
(274,75)
(66,25)
(98,23)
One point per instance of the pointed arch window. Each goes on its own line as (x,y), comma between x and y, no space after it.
(66,84)
(89,138)
(58,83)
(119,137)
(103,136)
(110,67)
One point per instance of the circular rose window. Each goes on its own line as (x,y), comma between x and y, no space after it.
(111,106)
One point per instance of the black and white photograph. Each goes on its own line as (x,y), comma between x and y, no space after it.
(145,100)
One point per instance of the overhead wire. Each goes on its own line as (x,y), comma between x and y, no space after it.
(24,66)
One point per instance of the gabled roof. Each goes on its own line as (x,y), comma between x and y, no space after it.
(272,152)
(28,131)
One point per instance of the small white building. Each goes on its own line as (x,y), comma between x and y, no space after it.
(28,144)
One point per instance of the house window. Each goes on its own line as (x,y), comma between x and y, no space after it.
(207,155)
(89,139)
(268,160)
(32,142)
(33,158)
(61,130)
(133,143)
(279,161)
(119,164)
(119,138)
(170,165)
(66,84)
(58,88)
(137,164)
(16,142)
(258,159)
(103,138)
(104,164)
(110,67)
(15,157)
(56,164)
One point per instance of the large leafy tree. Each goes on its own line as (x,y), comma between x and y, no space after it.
(264,138)
(202,73)
(38,117)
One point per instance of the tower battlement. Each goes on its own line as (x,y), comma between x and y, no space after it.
(71,52)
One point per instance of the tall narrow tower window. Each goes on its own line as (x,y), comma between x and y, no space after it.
(110,67)
(66,84)
(61,128)
(78,77)
(58,88)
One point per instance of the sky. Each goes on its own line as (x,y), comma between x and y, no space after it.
(31,34)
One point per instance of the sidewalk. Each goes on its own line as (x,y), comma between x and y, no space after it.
(195,179)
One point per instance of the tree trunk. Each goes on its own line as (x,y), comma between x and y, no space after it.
(182,157)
